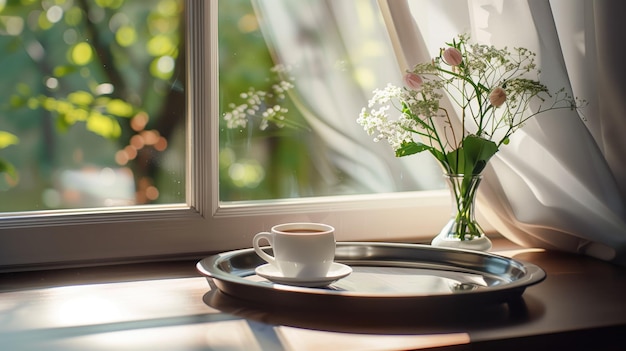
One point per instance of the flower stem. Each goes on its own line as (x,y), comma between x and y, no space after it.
(463,189)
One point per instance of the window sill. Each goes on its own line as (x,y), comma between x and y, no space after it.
(160,306)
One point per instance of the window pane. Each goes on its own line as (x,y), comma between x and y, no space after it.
(293,79)
(94,99)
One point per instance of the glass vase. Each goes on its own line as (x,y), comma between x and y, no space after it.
(462,230)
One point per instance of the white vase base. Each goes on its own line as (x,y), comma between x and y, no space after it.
(478,244)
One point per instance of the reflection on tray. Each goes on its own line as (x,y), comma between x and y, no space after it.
(397,280)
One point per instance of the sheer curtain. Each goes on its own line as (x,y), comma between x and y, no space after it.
(338,52)
(561,182)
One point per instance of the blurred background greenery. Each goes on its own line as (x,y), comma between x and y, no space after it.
(93,91)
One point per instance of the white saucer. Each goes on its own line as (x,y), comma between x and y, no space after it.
(336,272)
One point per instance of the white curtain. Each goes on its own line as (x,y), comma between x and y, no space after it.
(561,183)
(338,52)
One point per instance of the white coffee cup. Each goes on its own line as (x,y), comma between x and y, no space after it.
(301,250)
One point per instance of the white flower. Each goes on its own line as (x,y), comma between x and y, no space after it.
(376,121)
(255,106)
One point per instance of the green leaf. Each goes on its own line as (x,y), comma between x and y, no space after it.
(17,101)
(119,108)
(63,123)
(81,98)
(477,152)
(7,139)
(471,157)
(6,167)
(455,160)
(410,148)
(105,126)
(62,71)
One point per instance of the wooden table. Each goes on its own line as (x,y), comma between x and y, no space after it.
(169,306)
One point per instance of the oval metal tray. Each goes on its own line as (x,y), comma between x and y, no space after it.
(385,275)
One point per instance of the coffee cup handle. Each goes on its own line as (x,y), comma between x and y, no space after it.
(255,243)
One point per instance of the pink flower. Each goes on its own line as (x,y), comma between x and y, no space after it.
(497,97)
(413,81)
(452,56)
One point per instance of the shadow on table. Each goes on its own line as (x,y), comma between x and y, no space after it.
(399,318)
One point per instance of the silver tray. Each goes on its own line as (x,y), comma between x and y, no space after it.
(385,275)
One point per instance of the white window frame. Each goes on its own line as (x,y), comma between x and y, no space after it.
(204,225)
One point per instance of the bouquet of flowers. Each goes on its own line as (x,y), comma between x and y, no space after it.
(493,89)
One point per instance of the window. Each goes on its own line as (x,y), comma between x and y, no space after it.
(204,223)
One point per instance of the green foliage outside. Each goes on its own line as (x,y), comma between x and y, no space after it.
(83,80)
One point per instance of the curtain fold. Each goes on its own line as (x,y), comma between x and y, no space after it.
(560,183)
(326,44)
